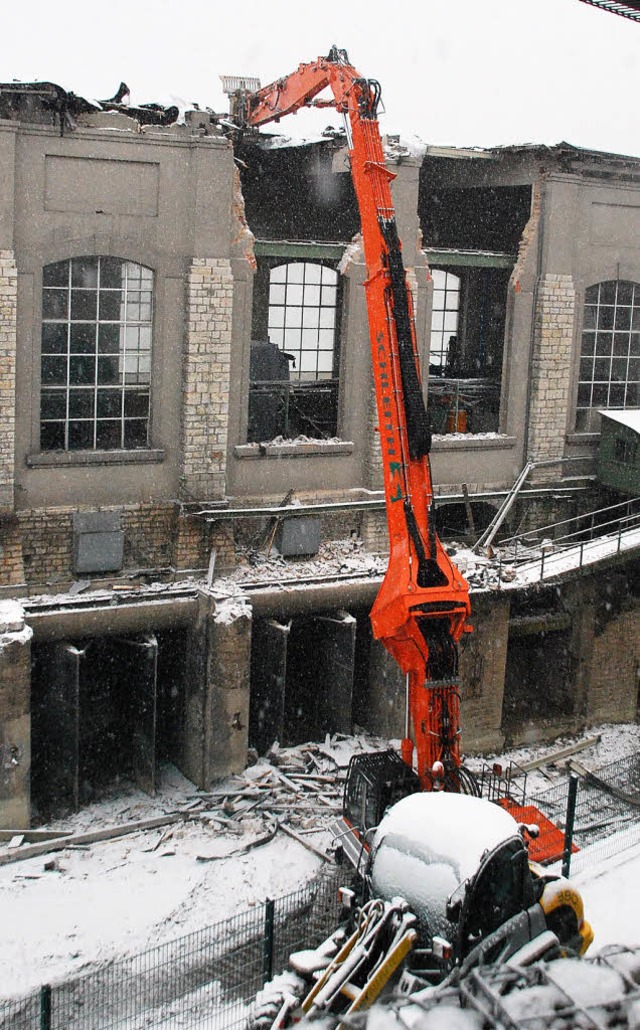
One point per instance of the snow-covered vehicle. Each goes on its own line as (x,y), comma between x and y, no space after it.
(445,885)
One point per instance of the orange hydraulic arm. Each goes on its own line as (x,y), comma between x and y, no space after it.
(423,603)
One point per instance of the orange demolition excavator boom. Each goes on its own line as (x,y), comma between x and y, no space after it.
(422,607)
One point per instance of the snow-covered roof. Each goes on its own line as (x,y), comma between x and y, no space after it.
(630,417)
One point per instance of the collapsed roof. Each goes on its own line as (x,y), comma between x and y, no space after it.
(46,101)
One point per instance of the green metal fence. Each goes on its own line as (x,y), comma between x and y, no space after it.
(603,819)
(204,980)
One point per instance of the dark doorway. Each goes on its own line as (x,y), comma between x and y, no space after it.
(103,709)
(301,679)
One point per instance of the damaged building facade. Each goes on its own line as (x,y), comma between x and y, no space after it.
(184,350)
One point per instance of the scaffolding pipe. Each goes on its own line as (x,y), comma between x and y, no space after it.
(485,539)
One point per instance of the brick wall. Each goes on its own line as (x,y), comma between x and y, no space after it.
(11,564)
(613,679)
(206,378)
(156,537)
(8,305)
(551,371)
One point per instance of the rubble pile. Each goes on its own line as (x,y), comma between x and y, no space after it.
(336,558)
(297,789)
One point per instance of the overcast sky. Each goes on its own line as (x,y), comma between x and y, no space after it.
(463,72)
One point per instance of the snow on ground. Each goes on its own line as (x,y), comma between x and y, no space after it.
(611,894)
(118,897)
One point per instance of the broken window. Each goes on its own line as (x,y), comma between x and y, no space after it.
(96,354)
(467,341)
(609,374)
(293,389)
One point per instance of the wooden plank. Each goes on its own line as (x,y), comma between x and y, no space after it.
(305,843)
(606,788)
(558,756)
(34,836)
(108,833)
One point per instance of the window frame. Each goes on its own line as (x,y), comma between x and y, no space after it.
(592,352)
(292,390)
(108,407)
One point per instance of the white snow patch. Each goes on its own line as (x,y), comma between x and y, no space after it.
(11,617)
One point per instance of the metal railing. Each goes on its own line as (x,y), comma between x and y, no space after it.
(585,538)
(207,979)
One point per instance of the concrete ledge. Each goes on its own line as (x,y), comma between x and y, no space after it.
(293,450)
(469,442)
(46,459)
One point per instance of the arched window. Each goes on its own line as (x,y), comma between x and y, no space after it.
(609,374)
(96,354)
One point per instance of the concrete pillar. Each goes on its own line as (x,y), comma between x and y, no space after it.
(15,724)
(8,322)
(217,690)
(386,701)
(482,669)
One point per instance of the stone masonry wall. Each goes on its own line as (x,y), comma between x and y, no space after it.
(8,309)
(206,378)
(551,371)
(614,679)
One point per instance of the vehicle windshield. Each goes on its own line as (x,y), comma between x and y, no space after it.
(501,888)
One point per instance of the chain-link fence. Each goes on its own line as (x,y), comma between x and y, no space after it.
(598,812)
(205,980)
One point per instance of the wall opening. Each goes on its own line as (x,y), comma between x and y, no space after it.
(540,672)
(472,233)
(302,674)
(102,710)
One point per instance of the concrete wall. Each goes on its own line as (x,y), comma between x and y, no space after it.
(482,668)
(15,721)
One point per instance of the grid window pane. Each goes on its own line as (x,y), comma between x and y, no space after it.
(609,348)
(83,338)
(56,274)
(84,272)
(111,303)
(109,434)
(302,322)
(444,316)
(96,348)
(302,302)
(81,435)
(54,370)
(81,403)
(54,404)
(54,338)
(55,303)
(84,304)
(112,273)
(135,432)
(109,403)
(109,339)
(52,436)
